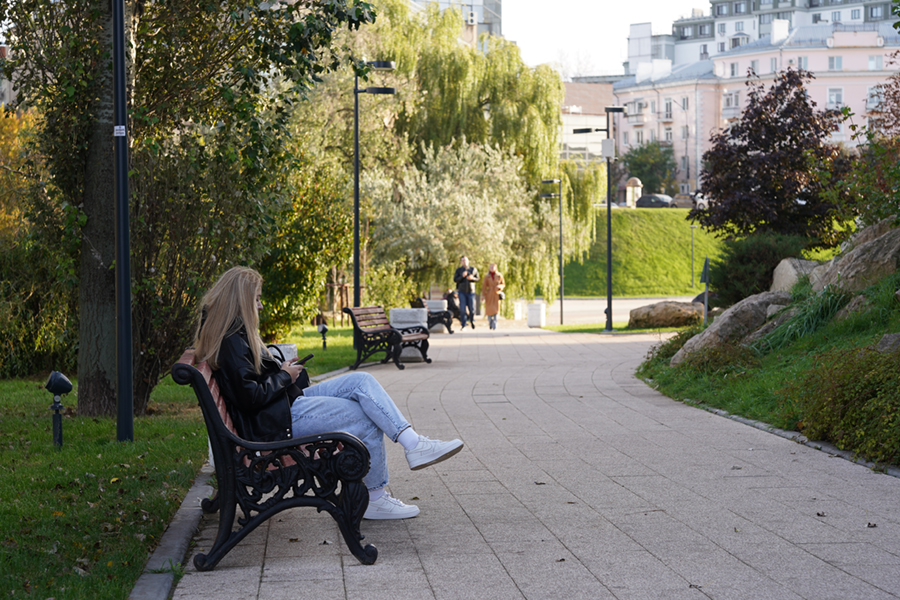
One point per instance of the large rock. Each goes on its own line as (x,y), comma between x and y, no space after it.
(771,324)
(743,318)
(789,271)
(864,265)
(665,314)
(889,343)
(868,234)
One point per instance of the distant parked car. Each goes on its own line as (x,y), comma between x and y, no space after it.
(683,201)
(701,202)
(654,201)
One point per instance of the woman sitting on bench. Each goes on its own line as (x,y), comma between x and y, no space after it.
(256,389)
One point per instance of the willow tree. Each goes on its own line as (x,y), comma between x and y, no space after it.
(209,164)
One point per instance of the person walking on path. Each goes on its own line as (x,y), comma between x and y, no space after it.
(465,278)
(270,402)
(491,288)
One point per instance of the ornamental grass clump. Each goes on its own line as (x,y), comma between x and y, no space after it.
(812,313)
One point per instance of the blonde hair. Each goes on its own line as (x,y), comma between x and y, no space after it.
(229,305)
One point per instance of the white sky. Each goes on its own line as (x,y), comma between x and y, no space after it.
(586,37)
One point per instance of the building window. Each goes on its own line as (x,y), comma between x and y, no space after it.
(836,16)
(684,163)
(754,64)
(624,138)
(731,100)
(734,69)
(652,136)
(685,132)
(704,52)
(784,16)
(803,63)
(876,12)
(721,46)
(739,26)
(721,10)
(704,30)
(638,137)
(835,98)
(835,63)
(773,65)
(653,107)
(765,2)
(765,19)
(740,8)
(874,97)
(721,28)
(667,108)
(669,136)
(876,63)
(684,103)
(855,14)
(687,32)
(738,42)
(817,18)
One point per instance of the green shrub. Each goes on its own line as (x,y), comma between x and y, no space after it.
(721,360)
(746,265)
(851,399)
(663,352)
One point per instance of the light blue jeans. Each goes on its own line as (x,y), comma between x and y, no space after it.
(355,403)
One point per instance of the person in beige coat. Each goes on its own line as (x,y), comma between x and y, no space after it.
(491,287)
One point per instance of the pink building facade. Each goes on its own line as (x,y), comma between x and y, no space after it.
(683,105)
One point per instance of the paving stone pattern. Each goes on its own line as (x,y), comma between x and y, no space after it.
(578,481)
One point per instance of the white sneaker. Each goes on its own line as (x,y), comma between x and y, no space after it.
(388,507)
(428,452)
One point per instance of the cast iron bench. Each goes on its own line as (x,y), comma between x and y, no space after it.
(435,317)
(324,471)
(374,333)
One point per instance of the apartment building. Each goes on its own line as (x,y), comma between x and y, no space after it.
(683,103)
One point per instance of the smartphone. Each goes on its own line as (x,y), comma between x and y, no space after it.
(305,358)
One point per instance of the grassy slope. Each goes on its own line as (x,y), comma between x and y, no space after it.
(651,255)
(758,387)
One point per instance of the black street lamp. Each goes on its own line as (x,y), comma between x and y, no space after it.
(608,153)
(561,286)
(376,65)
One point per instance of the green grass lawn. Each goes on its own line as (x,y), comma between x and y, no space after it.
(651,255)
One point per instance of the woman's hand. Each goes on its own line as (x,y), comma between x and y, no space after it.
(293,368)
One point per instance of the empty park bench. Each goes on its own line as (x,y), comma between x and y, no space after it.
(373,333)
(435,317)
(324,471)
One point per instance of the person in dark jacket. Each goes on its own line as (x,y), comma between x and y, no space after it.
(465,278)
(266,404)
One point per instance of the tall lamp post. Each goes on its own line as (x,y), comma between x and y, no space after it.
(609,152)
(561,286)
(376,65)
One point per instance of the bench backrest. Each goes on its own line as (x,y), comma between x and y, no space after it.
(369,319)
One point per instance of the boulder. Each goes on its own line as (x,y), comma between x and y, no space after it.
(857,304)
(743,318)
(770,325)
(773,308)
(889,343)
(665,314)
(789,271)
(869,233)
(863,265)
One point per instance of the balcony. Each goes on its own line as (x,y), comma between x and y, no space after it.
(637,120)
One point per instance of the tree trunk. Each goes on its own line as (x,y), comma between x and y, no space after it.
(97,357)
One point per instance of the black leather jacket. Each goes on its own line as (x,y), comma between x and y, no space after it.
(462,284)
(258,402)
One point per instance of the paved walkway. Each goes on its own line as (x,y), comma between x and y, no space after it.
(578,481)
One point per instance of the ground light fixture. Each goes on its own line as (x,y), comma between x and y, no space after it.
(561,285)
(609,153)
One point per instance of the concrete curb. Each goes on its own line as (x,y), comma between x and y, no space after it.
(158,578)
